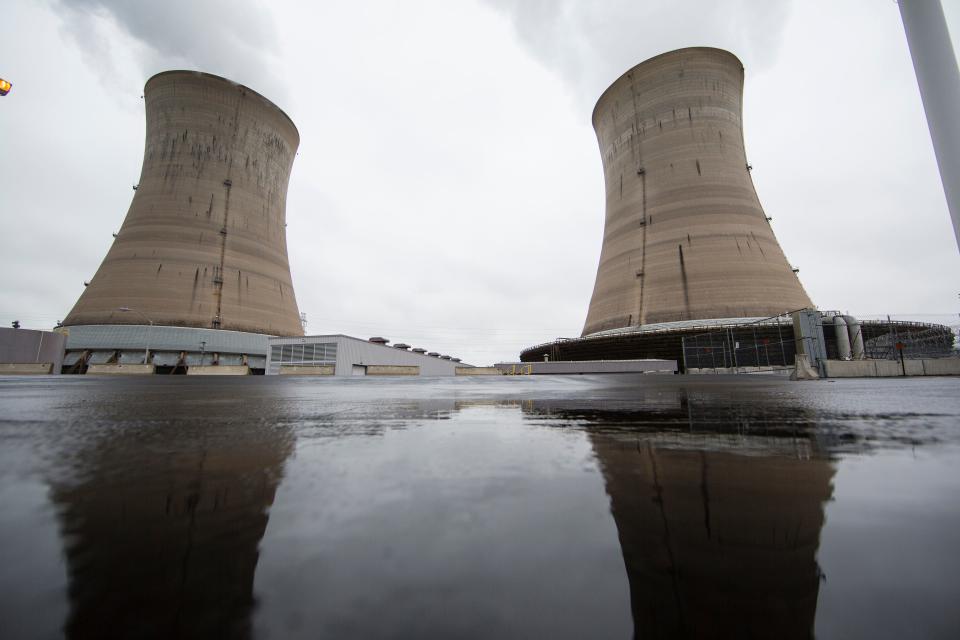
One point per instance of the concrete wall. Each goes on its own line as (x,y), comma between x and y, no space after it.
(29,346)
(892,368)
(392,370)
(219,370)
(293,370)
(120,369)
(204,241)
(685,236)
(26,369)
(478,371)
(942,367)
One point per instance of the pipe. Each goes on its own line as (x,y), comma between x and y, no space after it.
(856,337)
(843,338)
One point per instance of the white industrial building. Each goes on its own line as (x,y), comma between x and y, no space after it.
(342,355)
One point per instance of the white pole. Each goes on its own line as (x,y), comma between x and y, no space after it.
(146,351)
(935,64)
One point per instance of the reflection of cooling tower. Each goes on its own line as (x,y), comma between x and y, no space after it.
(685,237)
(204,241)
(718,505)
(166,545)
(717,544)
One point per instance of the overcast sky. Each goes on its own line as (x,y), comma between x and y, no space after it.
(449,192)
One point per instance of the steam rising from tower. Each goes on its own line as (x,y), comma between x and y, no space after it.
(685,236)
(204,241)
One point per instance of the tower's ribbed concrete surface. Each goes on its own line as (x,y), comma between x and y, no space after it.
(204,241)
(685,236)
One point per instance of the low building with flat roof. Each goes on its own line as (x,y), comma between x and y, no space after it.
(341,355)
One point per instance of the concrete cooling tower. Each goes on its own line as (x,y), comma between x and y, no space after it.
(203,245)
(685,236)
(689,269)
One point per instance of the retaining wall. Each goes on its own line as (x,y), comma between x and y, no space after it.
(219,370)
(119,369)
(891,368)
(392,370)
(294,370)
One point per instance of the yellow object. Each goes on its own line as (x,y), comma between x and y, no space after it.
(4,87)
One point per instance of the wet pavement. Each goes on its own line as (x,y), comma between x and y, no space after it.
(564,507)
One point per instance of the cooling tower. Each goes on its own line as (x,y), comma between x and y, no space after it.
(204,241)
(685,237)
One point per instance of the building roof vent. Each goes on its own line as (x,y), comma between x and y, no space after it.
(379,340)
(401,345)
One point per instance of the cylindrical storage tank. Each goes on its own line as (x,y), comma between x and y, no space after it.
(855,331)
(204,241)
(842,336)
(685,236)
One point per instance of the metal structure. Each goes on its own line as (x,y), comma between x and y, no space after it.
(902,339)
(773,342)
(172,349)
(741,343)
(935,64)
(685,237)
(203,244)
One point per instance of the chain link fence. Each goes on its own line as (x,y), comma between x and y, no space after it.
(770,343)
(910,340)
(762,344)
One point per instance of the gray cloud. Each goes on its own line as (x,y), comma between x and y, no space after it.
(590,43)
(233,38)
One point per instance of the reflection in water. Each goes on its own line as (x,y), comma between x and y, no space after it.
(479,510)
(717,540)
(162,524)
(717,544)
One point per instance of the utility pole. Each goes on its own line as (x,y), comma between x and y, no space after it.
(935,64)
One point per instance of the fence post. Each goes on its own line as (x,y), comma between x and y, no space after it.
(756,348)
(783,352)
(892,335)
(733,348)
